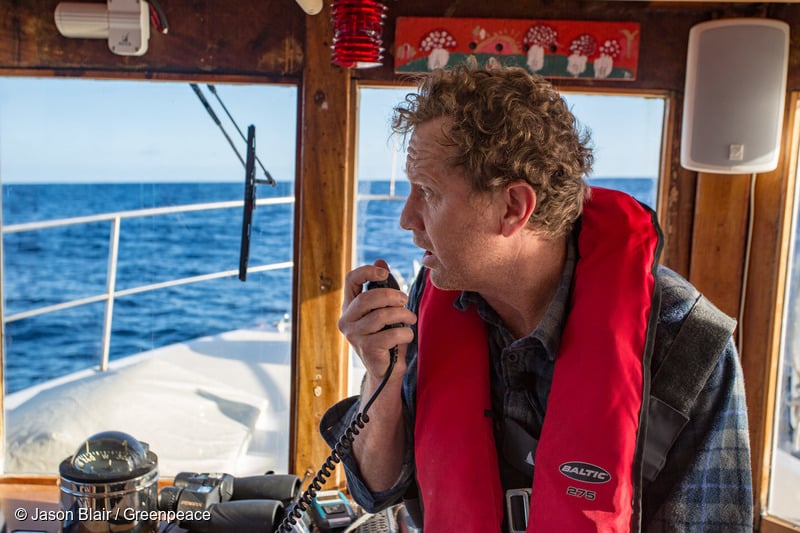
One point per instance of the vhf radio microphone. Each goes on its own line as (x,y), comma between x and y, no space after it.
(346,439)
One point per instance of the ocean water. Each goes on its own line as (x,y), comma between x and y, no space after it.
(53,266)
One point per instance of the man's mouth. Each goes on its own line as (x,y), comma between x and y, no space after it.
(428,259)
(419,243)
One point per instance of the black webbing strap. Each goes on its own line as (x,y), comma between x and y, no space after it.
(682,375)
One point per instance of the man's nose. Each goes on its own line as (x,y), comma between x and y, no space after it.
(409,219)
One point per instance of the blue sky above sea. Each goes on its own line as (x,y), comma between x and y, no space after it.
(89,131)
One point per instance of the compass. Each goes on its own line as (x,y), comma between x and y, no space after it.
(109,484)
(108,456)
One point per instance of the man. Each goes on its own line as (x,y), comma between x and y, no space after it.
(543,348)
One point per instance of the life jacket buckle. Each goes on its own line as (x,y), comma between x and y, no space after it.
(518,503)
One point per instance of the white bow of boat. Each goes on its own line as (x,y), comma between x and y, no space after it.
(213,404)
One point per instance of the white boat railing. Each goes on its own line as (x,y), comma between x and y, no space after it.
(112,293)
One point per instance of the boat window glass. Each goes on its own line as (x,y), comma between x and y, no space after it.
(784,491)
(122,222)
(626,136)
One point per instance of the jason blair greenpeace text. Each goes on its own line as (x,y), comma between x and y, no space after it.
(82,514)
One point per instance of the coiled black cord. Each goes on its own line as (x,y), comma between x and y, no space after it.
(344,443)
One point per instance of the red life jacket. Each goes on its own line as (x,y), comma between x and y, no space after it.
(588,460)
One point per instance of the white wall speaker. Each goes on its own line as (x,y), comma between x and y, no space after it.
(734,96)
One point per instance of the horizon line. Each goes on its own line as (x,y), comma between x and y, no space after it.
(220,182)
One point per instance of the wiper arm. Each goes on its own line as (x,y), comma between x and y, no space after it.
(216,120)
(266,172)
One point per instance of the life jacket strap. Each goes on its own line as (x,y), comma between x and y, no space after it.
(693,354)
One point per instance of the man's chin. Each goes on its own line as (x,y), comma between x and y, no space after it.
(441,281)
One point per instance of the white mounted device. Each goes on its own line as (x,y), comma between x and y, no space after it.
(733,105)
(311,7)
(126,24)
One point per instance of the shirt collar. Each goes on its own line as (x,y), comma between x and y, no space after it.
(549,330)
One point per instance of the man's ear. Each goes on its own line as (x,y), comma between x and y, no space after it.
(520,201)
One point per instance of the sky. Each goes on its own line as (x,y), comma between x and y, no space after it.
(73,130)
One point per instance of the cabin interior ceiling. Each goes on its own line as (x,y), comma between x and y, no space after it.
(266,38)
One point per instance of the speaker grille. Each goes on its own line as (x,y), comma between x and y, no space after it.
(734,97)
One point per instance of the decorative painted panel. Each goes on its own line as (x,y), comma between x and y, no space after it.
(551,48)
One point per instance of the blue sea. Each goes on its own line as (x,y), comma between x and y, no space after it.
(52,266)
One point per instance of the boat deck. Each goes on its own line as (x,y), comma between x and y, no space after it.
(213,404)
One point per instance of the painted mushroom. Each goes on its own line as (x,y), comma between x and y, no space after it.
(580,49)
(538,40)
(436,44)
(609,51)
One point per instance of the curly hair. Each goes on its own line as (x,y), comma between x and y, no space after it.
(508,125)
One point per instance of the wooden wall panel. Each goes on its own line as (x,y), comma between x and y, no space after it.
(763,313)
(718,243)
(265,38)
(664,29)
(262,38)
(676,195)
(323,218)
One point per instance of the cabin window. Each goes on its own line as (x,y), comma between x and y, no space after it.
(784,490)
(626,132)
(122,223)
(381,192)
